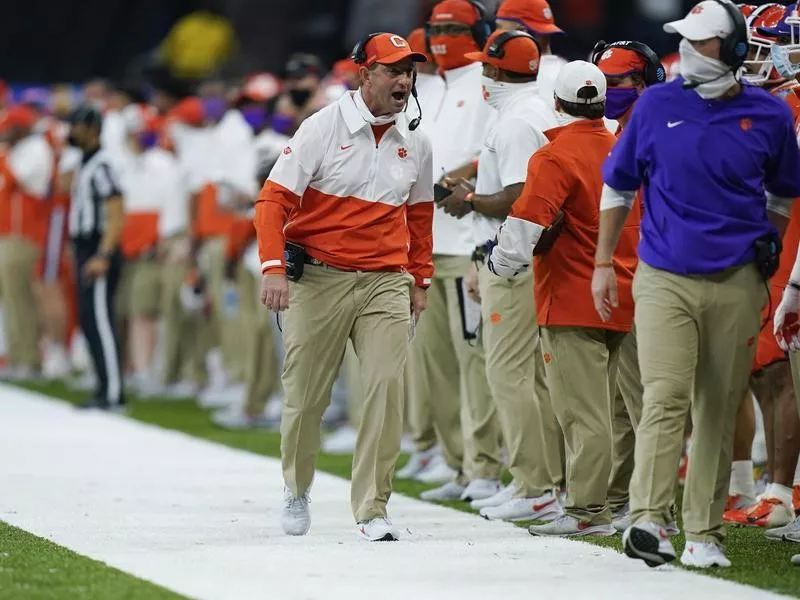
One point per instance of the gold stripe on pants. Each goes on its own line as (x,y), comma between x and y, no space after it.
(581,365)
(448,374)
(510,340)
(326,308)
(18,259)
(697,337)
(626,414)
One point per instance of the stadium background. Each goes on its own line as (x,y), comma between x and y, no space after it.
(77,40)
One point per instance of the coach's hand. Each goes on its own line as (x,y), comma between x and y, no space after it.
(604,291)
(95,267)
(419,301)
(275,292)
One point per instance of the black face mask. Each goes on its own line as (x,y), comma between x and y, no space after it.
(300,97)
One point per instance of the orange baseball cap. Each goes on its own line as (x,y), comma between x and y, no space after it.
(261,87)
(535,15)
(416,39)
(19,115)
(457,11)
(519,54)
(389,48)
(617,62)
(189,111)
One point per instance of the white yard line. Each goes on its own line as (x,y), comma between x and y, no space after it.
(202,519)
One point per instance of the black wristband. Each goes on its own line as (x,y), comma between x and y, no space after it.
(794,285)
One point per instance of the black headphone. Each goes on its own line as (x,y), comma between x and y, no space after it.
(733,50)
(654,71)
(480,30)
(496,48)
(359,56)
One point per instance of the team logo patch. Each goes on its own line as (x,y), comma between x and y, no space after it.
(460,103)
(496,318)
(746,124)
(696,10)
(402,153)
(547,13)
(486,93)
(547,358)
(607,54)
(287,150)
(533,64)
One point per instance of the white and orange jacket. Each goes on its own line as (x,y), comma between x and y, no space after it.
(351,202)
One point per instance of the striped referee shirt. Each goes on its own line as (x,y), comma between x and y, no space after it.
(94,182)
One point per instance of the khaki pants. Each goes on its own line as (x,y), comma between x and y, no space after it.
(184,345)
(448,375)
(794,360)
(510,340)
(225,330)
(326,308)
(581,365)
(21,315)
(626,414)
(262,368)
(696,338)
(139,291)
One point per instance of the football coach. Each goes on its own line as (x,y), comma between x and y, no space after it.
(344,232)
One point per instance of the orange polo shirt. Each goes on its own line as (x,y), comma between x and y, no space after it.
(566,175)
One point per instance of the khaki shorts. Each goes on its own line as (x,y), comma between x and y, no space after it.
(139,293)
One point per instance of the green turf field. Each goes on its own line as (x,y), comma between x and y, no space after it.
(32,567)
(757,561)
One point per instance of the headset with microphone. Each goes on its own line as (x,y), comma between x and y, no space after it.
(734,46)
(497,50)
(359,56)
(654,71)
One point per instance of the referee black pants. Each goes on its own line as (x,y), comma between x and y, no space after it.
(98,323)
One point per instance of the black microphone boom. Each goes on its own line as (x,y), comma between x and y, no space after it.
(415,122)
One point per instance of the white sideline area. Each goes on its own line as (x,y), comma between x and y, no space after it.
(203,520)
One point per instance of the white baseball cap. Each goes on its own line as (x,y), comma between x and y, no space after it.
(707,20)
(577,75)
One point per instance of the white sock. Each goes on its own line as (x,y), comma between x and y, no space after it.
(781,492)
(742,483)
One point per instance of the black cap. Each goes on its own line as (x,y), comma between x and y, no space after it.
(87,115)
(299,65)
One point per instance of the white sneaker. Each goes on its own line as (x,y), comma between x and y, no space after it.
(788,533)
(56,363)
(417,463)
(378,530)
(541,508)
(795,560)
(180,390)
(672,529)
(23,373)
(480,489)
(295,516)
(449,491)
(406,445)
(569,526)
(501,497)
(213,397)
(703,555)
(621,519)
(236,419)
(437,471)
(341,441)
(649,542)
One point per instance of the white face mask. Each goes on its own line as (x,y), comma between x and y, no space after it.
(718,77)
(363,109)
(497,93)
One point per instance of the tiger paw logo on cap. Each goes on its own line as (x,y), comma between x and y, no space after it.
(607,54)
(696,10)
(547,13)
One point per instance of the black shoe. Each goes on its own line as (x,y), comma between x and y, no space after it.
(101,404)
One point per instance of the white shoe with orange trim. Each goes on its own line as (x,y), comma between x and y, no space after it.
(541,508)
(417,463)
(501,497)
(295,516)
(378,530)
(648,541)
(480,489)
(569,526)
(703,555)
